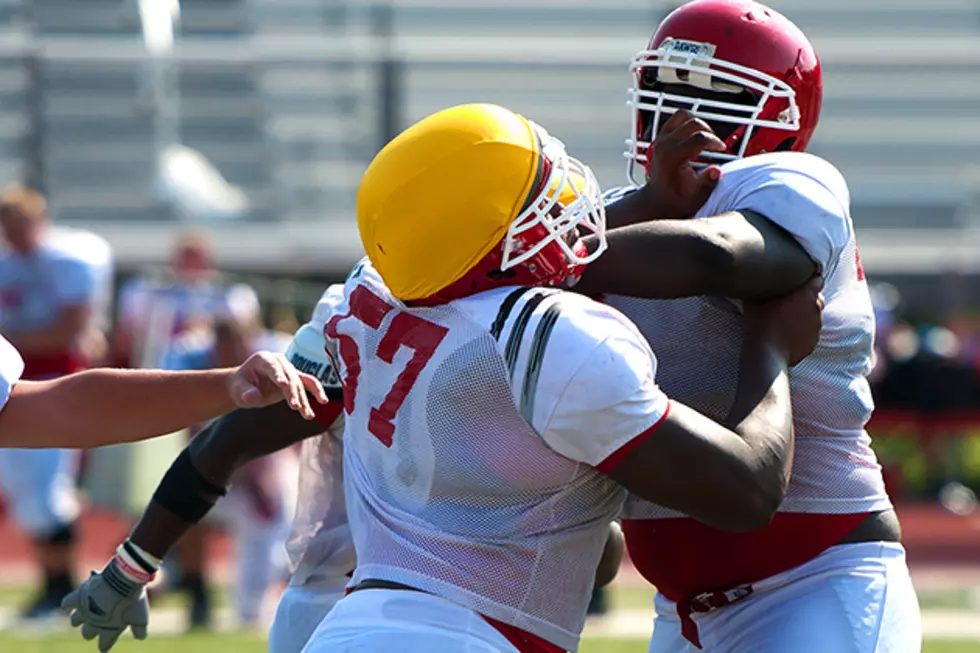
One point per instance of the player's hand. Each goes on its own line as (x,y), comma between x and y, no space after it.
(792,322)
(680,189)
(106,605)
(267,378)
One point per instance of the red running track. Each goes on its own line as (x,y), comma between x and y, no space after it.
(933,537)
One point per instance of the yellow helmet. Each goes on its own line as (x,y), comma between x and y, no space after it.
(469,193)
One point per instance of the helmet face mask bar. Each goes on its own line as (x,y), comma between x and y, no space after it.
(547,220)
(710,74)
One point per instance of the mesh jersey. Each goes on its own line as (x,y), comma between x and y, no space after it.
(320,545)
(11,367)
(698,339)
(473,437)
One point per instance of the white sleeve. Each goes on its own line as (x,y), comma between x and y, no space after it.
(610,402)
(804,195)
(308,354)
(11,367)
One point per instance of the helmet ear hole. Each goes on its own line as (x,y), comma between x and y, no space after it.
(786,145)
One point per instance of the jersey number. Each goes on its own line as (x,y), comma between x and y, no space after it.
(405,330)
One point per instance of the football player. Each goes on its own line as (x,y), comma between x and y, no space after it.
(55,286)
(493,420)
(726,98)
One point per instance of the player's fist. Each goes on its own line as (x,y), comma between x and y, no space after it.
(792,322)
(681,190)
(267,378)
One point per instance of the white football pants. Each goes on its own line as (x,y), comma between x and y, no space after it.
(39,485)
(383,621)
(301,609)
(852,598)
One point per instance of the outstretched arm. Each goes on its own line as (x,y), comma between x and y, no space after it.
(109,406)
(742,255)
(199,476)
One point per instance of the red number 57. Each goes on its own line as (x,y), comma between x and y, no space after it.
(405,330)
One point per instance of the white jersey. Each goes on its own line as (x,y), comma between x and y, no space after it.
(474,433)
(94,251)
(320,546)
(11,367)
(698,339)
(71,267)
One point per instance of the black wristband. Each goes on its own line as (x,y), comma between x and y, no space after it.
(184,492)
(137,558)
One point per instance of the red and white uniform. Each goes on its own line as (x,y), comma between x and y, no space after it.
(836,480)
(320,547)
(474,438)
(71,268)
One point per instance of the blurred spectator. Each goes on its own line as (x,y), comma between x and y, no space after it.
(259,505)
(55,288)
(154,311)
(929,371)
(886,302)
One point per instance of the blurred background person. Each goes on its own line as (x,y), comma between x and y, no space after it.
(156,309)
(55,290)
(258,507)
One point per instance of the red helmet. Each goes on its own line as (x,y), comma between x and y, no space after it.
(747,67)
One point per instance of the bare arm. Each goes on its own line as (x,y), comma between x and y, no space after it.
(734,479)
(641,205)
(231,442)
(64,332)
(734,476)
(109,406)
(741,255)
(216,453)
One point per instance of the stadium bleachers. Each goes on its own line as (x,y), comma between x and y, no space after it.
(282,95)
(900,113)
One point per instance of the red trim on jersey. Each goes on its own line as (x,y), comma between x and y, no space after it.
(692,564)
(613,460)
(40,367)
(522,640)
(327,413)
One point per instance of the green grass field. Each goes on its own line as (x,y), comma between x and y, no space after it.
(255,644)
(622,598)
